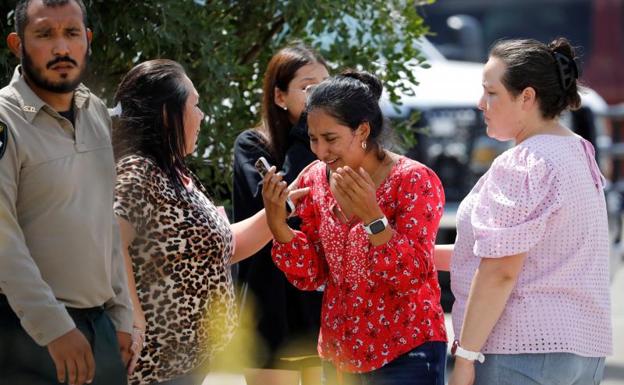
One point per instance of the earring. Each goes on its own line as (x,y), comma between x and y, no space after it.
(285,108)
(364,146)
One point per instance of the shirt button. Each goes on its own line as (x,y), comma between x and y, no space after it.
(20,313)
(39,336)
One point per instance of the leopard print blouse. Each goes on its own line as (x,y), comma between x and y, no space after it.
(180,258)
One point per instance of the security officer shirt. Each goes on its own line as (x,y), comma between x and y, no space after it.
(59,244)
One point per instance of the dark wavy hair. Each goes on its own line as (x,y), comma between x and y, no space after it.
(531,63)
(352,98)
(152,97)
(279,73)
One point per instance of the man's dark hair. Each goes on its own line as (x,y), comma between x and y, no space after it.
(21,17)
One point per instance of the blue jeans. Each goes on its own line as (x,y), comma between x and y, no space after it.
(539,369)
(425,365)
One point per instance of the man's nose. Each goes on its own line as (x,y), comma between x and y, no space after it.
(61,47)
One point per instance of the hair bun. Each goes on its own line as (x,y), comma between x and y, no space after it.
(374,84)
(569,68)
(562,46)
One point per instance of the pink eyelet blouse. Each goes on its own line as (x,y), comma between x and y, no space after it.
(543,197)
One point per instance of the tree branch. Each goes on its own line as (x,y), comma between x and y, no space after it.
(278,24)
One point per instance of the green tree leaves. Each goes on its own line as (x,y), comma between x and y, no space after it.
(225,47)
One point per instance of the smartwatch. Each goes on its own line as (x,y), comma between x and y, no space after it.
(376,226)
(458,351)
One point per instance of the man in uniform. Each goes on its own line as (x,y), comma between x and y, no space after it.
(62,276)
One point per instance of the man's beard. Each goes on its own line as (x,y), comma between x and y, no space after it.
(36,76)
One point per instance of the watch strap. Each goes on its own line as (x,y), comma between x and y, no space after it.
(469,355)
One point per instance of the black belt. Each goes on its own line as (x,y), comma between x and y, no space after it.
(73,312)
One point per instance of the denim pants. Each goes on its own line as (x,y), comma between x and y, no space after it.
(424,365)
(539,369)
(23,362)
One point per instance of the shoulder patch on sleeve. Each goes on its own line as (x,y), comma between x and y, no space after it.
(4,137)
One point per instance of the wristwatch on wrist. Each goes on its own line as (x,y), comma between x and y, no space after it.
(458,351)
(376,226)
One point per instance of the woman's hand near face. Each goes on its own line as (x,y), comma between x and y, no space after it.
(274,194)
(355,193)
(343,202)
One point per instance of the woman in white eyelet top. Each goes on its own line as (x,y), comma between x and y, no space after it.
(543,197)
(529,268)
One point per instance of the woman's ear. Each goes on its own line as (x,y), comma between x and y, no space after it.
(529,97)
(363,131)
(280,98)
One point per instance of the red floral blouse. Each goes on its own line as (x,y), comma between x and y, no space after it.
(380,301)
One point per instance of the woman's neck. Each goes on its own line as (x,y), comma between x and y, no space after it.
(377,169)
(540,126)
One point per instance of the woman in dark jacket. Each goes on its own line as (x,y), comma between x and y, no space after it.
(286,319)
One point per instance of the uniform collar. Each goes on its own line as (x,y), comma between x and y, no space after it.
(30,103)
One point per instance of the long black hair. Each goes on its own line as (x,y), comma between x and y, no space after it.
(152,97)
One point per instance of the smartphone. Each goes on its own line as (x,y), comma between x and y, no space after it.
(263,166)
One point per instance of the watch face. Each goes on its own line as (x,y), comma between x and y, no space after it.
(377,227)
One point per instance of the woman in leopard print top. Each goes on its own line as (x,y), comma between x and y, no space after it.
(178,247)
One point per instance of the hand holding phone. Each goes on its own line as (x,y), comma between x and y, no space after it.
(263,166)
